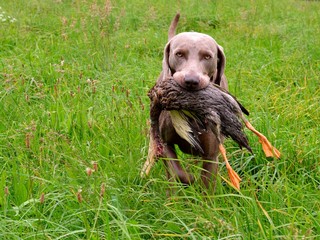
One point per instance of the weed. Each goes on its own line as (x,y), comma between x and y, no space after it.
(73,120)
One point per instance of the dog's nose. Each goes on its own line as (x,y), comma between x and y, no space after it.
(191,81)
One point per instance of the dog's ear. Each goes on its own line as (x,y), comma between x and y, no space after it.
(165,63)
(221,65)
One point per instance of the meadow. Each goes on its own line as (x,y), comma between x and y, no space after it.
(74,77)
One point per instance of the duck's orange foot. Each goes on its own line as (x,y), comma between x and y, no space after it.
(234,177)
(269,150)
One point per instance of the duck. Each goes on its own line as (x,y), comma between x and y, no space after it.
(213,108)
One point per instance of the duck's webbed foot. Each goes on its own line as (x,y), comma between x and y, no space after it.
(269,150)
(234,177)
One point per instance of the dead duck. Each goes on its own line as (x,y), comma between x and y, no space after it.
(211,107)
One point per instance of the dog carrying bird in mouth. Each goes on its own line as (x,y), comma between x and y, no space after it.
(191,108)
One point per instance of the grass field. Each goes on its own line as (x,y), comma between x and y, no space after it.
(74,110)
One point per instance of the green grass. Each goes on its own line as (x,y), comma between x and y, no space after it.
(73,82)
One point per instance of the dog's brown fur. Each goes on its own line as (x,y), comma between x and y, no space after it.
(194,60)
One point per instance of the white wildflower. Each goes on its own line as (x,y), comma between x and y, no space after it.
(5,17)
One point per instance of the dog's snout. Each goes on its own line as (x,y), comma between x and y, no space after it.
(191,81)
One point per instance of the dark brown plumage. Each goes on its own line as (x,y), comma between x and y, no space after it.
(212,107)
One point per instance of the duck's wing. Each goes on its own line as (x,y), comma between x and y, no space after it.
(181,123)
(243,109)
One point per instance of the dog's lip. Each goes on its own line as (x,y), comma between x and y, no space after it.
(190,89)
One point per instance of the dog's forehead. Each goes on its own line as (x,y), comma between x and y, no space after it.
(193,38)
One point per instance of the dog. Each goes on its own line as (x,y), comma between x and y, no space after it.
(194,60)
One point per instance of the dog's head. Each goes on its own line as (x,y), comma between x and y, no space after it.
(194,60)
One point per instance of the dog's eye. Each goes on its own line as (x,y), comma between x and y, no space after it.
(179,54)
(207,57)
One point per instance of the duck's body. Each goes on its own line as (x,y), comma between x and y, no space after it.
(212,108)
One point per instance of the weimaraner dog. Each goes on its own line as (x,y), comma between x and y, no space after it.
(194,60)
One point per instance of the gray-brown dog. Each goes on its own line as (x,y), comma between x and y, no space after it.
(194,60)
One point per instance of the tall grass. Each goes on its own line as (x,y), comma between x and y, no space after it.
(73,120)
